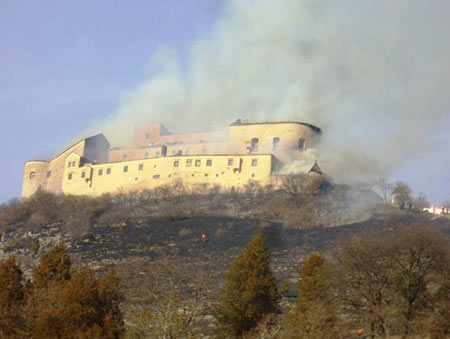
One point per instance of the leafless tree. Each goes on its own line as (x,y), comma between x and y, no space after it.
(383,185)
(167,299)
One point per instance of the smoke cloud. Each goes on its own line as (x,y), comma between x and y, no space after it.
(372,74)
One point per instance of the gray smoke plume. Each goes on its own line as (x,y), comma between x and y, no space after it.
(372,74)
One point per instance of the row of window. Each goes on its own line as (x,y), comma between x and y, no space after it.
(253,148)
(275,144)
(198,162)
(176,163)
(158,153)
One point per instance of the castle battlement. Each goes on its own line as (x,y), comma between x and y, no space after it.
(246,151)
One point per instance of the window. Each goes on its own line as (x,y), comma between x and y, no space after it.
(254,145)
(198,162)
(146,155)
(70,164)
(275,143)
(100,172)
(176,163)
(49,173)
(125,169)
(206,174)
(83,174)
(254,162)
(174,152)
(186,151)
(141,167)
(108,171)
(70,176)
(230,162)
(147,136)
(32,175)
(188,162)
(301,144)
(253,175)
(74,163)
(156,176)
(124,156)
(209,162)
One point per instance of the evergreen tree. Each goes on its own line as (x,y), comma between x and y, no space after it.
(311,285)
(249,291)
(315,315)
(12,299)
(55,266)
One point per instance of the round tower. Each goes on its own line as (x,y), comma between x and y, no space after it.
(34,177)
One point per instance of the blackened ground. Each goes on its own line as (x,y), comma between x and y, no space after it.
(181,240)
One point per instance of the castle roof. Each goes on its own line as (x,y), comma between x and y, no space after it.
(239,122)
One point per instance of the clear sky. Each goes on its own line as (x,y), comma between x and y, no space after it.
(65,66)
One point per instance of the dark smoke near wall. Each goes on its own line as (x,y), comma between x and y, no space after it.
(372,74)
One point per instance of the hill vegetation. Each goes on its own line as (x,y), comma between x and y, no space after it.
(255,263)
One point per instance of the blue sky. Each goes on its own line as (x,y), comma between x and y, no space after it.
(373,75)
(64,65)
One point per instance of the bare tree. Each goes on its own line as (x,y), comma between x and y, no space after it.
(420,202)
(383,185)
(363,271)
(167,300)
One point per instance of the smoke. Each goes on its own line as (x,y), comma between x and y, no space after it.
(372,74)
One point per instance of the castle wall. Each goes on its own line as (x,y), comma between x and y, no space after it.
(202,148)
(156,134)
(125,154)
(34,177)
(57,166)
(289,134)
(224,170)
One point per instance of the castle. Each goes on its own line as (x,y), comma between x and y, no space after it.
(230,158)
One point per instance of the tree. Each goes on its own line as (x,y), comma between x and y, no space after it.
(68,303)
(419,254)
(315,314)
(12,299)
(384,186)
(401,195)
(362,278)
(167,299)
(249,292)
(388,282)
(55,266)
(85,306)
(301,187)
(420,202)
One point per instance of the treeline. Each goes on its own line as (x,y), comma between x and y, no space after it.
(375,285)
